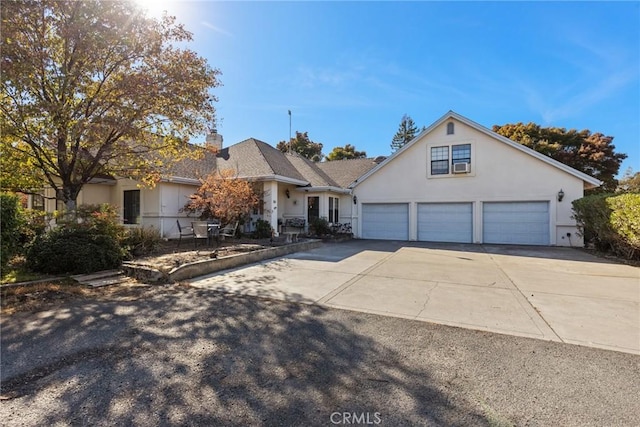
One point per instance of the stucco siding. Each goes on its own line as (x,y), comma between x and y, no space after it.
(499,172)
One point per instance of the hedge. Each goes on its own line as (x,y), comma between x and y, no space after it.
(611,222)
(11,220)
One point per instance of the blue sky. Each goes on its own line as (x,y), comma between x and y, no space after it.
(348,71)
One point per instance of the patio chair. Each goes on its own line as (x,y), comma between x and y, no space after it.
(228,230)
(200,231)
(185,231)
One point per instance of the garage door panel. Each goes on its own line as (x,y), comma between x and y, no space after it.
(525,223)
(445,222)
(386,221)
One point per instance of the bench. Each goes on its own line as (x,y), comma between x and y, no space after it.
(292,227)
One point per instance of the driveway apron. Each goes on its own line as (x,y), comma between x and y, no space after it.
(556,294)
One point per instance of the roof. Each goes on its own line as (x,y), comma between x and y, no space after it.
(346,171)
(311,172)
(453,115)
(253,158)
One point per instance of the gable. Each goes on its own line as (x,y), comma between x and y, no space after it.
(494,148)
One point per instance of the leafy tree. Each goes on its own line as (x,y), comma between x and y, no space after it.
(591,153)
(91,88)
(302,145)
(630,182)
(406,132)
(223,196)
(346,152)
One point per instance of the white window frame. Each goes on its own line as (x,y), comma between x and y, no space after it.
(450,146)
(334,210)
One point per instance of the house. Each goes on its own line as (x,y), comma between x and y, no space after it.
(292,187)
(457,181)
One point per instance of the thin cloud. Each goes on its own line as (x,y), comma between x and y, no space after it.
(216,29)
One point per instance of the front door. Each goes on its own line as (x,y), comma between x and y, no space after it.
(313,208)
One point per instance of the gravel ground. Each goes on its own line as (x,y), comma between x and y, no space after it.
(180,356)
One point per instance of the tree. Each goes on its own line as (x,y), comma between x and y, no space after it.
(406,132)
(93,88)
(630,182)
(591,153)
(302,145)
(346,152)
(222,195)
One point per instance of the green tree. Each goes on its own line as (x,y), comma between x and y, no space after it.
(346,152)
(591,153)
(91,88)
(302,145)
(406,132)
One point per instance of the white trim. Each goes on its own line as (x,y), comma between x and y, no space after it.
(323,189)
(452,115)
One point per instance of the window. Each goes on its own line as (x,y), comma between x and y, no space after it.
(334,203)
(461,153)
(439,160)
(37,201)
(132,207)
(450,128)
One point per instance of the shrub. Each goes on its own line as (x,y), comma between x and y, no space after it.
(142,241)
(319,227)
(34,225)
(11,220)
(92,241)
(72,249)
(263,229)
(610,222)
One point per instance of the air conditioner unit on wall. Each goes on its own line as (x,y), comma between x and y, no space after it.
(461,167)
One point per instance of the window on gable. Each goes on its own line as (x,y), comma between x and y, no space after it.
(450,128)
(132,207)
(439,160)
(461,153)
(334,203)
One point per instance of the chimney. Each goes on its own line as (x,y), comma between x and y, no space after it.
(214,140)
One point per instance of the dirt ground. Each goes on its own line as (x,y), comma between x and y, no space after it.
(168,255)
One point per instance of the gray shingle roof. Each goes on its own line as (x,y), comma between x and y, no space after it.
(311,171)
(344,172)
(253,158)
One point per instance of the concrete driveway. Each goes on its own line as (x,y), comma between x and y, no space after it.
(556,294)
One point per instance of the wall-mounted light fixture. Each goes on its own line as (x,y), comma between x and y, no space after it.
(286,192)
(355,200)
(560,195)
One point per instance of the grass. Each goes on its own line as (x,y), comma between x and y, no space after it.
(17,271)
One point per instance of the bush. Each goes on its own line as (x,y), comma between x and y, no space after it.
(319,227)
(74,250)
(610,222)
(11,220)
(34,225)
(92,242)
(263,229)
(142,241)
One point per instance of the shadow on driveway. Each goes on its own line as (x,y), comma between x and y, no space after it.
(203,358)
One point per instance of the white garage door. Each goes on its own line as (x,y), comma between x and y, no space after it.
(445,222)
(387,221)
(524,223)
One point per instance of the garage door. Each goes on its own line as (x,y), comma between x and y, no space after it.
(387,221)
(524,223)
(445,222)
